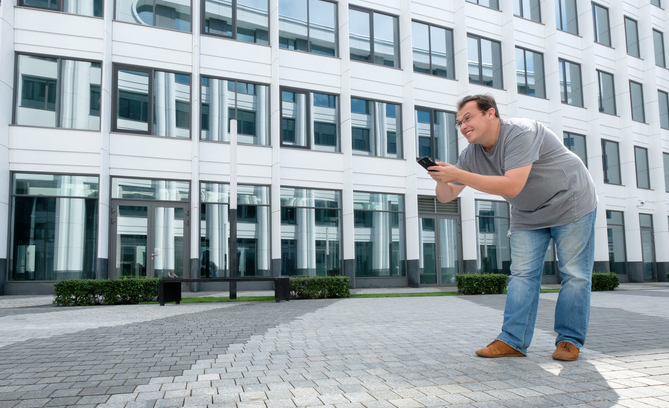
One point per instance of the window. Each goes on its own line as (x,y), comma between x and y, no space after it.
(566,15)
(379,235)
(530,73)
(309,120)
(308,25)
(600,16)
(663,100)
(528,9)
(310,232)
(151,102)
(658,42)
(170,14)
(611,162)
(665,162)
(484,61)
(242,20)
(657,3)
(223,100)
(492,219)
(576,143)
(56,92)
(636,97)
(252,240)
(433,50)
(91,8)
(374,37)
(54,227)
(641,165)
(615,228)
(436,135)
(376,128)
(571,85)
(632,37)
(493,4)
(607,94)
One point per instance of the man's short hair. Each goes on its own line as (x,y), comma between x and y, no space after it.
(483,101)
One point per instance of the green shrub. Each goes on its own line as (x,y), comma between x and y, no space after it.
(604,281)
(481,283)
(319,287)
(86,292)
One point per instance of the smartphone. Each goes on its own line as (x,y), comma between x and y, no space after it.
(426,162)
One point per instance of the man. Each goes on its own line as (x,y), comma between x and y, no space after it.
(551,195)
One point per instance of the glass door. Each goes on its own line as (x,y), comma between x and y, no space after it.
(149,239)
(440,251)
(647,247)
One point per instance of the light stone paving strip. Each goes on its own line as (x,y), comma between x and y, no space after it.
(410,352)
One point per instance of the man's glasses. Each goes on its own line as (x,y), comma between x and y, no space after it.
(465,119)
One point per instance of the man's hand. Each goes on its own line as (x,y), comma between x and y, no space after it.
(443,172)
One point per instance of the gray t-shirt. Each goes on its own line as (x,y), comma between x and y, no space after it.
(559,189)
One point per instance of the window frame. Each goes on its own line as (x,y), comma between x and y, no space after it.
(489,5)
(640,103)
(597,25)
(542,82)
(642,174)
(519,5)
(659,48)
(605,162)
(565,94)
(663,99)
(601,76)
(450,50)
(560,5)
(375,119)
(310,130)
(60,8)
(372,38)
(636,34)
(233,17)
(433,139)
(479,48)
(566,135)
(150,93)
(308,26)
(665,162)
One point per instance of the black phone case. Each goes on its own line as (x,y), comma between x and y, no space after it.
(426,162)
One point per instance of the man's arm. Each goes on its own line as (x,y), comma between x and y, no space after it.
(509,185)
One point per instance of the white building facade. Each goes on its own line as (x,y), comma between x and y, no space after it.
(262,138)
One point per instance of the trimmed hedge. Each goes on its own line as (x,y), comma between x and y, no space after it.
(319,287)
(604,281)
(123,291)
(481,283)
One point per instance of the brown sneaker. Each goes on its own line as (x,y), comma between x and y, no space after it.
(499,349)
(565,352)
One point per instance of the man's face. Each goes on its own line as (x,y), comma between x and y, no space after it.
(474,124)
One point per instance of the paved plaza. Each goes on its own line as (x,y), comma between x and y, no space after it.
(395,352)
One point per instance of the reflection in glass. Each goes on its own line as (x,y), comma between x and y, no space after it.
(663,101)
(647,247)
(142,189)
(252,21)
(54,92)
(294,25)
(310,232)
(132,104)
(131,241)
(379,235)
(294,119)
(658,44)
(53,238)
(439,251)
(171,14)
(168,90)
(528,9)
(376,129)
(218,17)
(436,135)
(641,164)
(611,162)
(420,37)
(386,40)
(360,35)
(91,8)
(576,143)
(322,27)
(325,117)
(492,219)
(566,15)
(571,88)
(168,239)
(223,100)
(607,95)
(601,22)
(530,73)
(615,227)
(636,96)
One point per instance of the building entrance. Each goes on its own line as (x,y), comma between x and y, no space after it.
(149,239)
(440,253)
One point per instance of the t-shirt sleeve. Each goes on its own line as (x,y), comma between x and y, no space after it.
(522,147)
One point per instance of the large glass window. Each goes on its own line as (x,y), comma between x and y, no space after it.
(641,165)
(611,162)
(223,100)
(657,3)
(243,20)
(484,61)
(571,85)
(91,8)
(309,120)
(607,93)
(632,37)
(56,92)
(308,25)
(615,228)
(602,27)
(566,16)
(576,143)
(374,37)
(376,128)
(171,14)
(658,43)
(492,221)
(433,50)
(251,239)
(54,227)
(528,9)
(530,73)
(436,135)
(379,235)
(665,161)
(493,4)
(636,99)
(310,232)
(152,102)
(663,100)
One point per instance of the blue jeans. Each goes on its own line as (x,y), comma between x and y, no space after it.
(574,243)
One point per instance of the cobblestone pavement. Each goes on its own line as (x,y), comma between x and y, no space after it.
(347,353)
